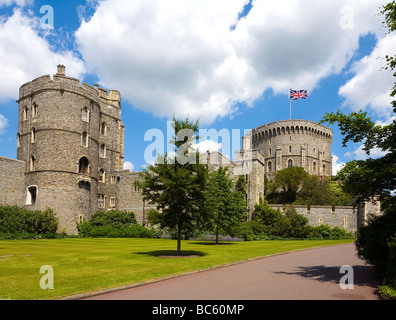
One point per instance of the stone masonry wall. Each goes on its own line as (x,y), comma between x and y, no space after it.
(12,180)
(343,217)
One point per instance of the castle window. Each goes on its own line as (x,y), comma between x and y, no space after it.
(102,152)
(112,202)
(314,167)
(113,179)
(33,135)
(18,140)
(83,166)
(31,197)
(290,163)
(269,166)
(103,129)
(34,110)
(101,200)
(32,163)
(324,169)
(84,139)
(85,115)
(102,175)
(270,151)
(25,113)
(290,149)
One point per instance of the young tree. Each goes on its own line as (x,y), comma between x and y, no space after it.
(289,181)
(176,185)
(226,206)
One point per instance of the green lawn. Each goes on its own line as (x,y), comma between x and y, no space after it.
(86,265)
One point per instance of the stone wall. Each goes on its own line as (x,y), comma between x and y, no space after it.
(343,217)
(12,180)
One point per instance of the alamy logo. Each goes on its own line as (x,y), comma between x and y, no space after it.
(47,21)
(347,280)
(47,281)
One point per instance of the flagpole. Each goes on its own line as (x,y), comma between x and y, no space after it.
(290,105)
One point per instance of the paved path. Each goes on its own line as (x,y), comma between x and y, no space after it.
(312,274)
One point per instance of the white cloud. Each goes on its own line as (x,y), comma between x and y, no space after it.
(371,87)
(181,57)
(129,166)
(3,123)
(25,55)
(360,154)
(208,145)
(21,3)
(337,164)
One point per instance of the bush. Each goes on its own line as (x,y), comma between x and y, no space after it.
(113,218)
(327,232)
(114,224)
(374,242)
(249,231)
(19,223)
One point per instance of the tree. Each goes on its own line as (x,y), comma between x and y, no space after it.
(322,192)
(369,178)
(289,181)
(265,215)
(373,177)
(176,185)
(226,206)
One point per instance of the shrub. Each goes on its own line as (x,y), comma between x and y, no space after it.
(19,223)
(114,224)
(374,241)
(113,218)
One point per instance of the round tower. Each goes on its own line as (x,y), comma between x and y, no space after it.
(289,143)
(58,139)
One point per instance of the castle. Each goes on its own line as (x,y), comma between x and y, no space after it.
(70,156)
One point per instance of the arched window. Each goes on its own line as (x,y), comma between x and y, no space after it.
(25,113)
(33,135)
(85,115)
(290,163)
(18,140)
(83,166)
(34,110)
(102,151)
(31,197)
(84,139)
(314,169)
(102,175)
(269,166)
(32,163)
(324,169)
(103,129)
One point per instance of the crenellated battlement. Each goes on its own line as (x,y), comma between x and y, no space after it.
(283,127)
(63,83)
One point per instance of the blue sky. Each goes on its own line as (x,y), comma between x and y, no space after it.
(229,63)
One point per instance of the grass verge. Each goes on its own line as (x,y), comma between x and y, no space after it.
(86,265)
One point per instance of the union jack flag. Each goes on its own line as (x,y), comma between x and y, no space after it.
(298,94)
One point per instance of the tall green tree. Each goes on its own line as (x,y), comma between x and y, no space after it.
(288,181)
(225,204)
(372,177)
(176,185)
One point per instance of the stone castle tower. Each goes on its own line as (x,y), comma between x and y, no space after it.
(70,138)
(294,143)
